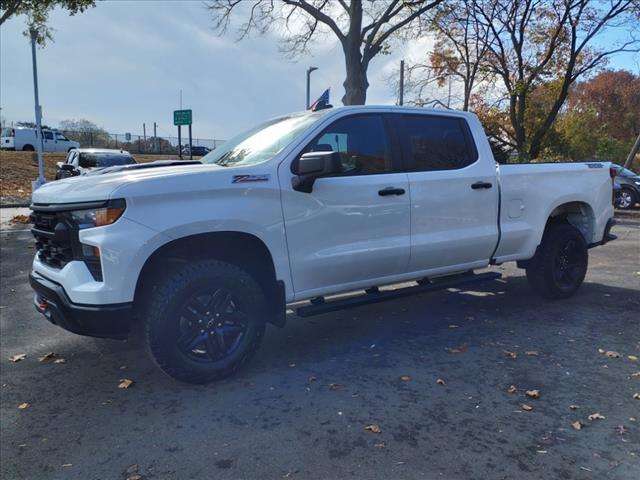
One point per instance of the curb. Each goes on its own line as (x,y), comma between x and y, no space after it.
(14,205)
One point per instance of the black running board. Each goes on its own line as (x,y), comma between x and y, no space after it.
(380,296)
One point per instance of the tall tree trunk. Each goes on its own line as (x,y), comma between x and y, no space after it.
(356,84)
(536,141)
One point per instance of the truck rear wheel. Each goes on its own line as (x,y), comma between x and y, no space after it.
(561,263)
(204,321)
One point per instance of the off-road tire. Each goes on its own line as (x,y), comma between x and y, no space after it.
(162,319)
(545,268)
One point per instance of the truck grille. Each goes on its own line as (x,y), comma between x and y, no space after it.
(53,235)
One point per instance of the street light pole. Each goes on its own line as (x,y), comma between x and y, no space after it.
(309,70)
(40,180)
(401,99)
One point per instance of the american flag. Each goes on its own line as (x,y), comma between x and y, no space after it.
(322,101)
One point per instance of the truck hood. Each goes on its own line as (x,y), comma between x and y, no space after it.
(100,184)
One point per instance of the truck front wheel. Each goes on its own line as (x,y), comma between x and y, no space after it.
(560,265)
(204,320)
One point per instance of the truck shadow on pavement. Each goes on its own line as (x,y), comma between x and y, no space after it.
(433,371)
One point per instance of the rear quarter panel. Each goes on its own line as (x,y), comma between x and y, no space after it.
(531,192)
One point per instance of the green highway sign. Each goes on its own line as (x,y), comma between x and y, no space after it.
(182,117)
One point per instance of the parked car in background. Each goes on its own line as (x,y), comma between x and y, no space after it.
(198,151)
(82,160)
(21,138)
(628,193)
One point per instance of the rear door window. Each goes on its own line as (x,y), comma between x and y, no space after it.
(47,135)
(435,142)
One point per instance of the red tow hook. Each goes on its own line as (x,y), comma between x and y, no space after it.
(43,305)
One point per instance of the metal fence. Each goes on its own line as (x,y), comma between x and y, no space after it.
(137,143)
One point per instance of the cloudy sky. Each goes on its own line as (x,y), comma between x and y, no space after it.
(124,62)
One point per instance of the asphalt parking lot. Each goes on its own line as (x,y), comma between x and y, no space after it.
(301,408)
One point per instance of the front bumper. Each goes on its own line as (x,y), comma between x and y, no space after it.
(109,321)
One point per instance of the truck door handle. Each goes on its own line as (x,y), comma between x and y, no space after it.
(391,191)
(479,185)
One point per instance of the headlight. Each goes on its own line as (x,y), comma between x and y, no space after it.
(637,183)
(99,217)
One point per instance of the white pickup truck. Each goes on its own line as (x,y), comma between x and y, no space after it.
(203,254)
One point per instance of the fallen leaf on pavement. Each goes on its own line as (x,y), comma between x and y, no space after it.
(526,408)
(533,393)
(453,326)
(611,354)
(405,378)
(532,353)
(621,430)
(59,360)
(573,407)
(596,416)
(510,354)
(47,356)
(335,386)
(132,468)
(636,374)
(23,219)
(292,365)
(18,357)
(440,381)
(24,405)
(134,476)
(632,357)
(379,445)
(600,350)
(577,424)
(125,383)
(373,428)
(512,389)
(312,379)
(458,349)
(636,396)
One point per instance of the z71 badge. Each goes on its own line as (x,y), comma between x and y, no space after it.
(250,178)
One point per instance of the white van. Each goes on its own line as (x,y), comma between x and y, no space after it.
(20,138)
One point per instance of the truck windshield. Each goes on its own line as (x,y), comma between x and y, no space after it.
(263,142)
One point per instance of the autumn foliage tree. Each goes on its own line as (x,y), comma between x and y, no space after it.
(601,119)
(529,53)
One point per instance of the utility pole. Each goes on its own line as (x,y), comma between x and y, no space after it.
(40,180)
(144,136)
(155,138)
(632,153)
(309,70)
(401,99)
(180,131)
